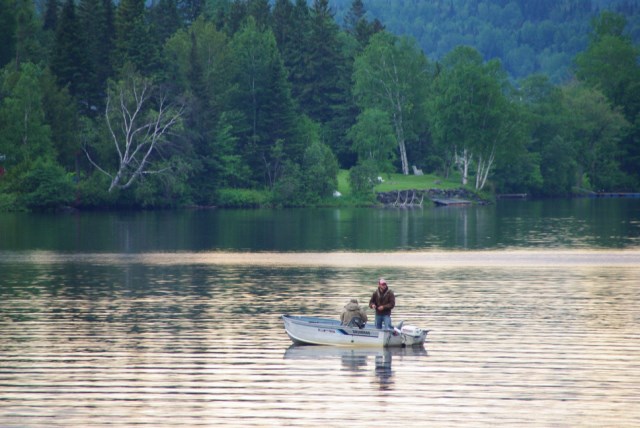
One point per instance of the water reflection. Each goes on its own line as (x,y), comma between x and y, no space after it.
(384,372)
(583,223)
(377,361)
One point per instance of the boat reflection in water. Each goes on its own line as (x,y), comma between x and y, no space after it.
(357,360)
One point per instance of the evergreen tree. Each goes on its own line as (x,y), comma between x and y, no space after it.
(261,12)
(68,60)
(51,15)
(263,97)
(238,12)
(321,92)
(355,14)
(290,27)
(7,32)
(107,44)
(281,18)
(201,61)
(95,21)
(190,10)
(27,47)
(165,20)
(357,24)
(133,41)
(322,85)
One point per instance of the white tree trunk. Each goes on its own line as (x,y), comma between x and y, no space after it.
(403,150)
(390,88)
(484,167)
(396,99)
(135,133)
(463,162)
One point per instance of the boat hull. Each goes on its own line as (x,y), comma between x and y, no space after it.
(321,331)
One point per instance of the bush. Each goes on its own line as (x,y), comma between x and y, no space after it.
(241,198)
(45,186)
(363,178)
(93,192)
(8,202)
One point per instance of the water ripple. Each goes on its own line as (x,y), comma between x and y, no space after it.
(533,339)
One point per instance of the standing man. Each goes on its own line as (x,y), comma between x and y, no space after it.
(382,301)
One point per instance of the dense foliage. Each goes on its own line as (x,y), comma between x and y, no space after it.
(252,102)
(528,36)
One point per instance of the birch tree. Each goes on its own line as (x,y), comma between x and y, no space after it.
(470,113)
(141,122)
(391,75)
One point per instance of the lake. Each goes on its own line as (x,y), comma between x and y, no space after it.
(167,319)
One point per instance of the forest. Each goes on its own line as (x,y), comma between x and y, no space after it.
(246,103)
(529,37)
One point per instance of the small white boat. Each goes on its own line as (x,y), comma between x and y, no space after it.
(324,331)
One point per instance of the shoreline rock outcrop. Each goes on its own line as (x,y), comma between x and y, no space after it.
(418,197)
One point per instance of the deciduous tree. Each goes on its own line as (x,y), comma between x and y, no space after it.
(141,121)
(373,138)
(596,130)
(471,116)
(392,75)
(24,134)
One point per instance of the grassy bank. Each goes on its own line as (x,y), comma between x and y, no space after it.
(401,182)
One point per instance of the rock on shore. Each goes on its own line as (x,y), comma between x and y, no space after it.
(413,197)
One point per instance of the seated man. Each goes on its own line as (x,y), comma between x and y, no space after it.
(351,312)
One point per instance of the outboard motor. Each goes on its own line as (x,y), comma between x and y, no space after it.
(412,335)
(411,330)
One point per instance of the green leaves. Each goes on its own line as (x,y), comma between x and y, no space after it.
(471,116)
(392,75)
(373,138)
(24,135)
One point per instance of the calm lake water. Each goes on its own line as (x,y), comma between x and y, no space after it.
(168,319)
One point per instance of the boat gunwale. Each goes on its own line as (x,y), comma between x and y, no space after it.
(330,323)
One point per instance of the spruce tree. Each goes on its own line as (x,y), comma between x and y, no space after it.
(325,62)
(7,32)
(190,10)
(354,16)
(51,15)
(281,22)
(133,42)
(238,12)
(165,20)
(261,12)
(27,33)
(291,27)
(94,20)
(68,61)
(263,98)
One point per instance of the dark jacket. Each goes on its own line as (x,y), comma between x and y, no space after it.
(386,300)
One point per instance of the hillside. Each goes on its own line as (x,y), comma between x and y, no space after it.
(529,37)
